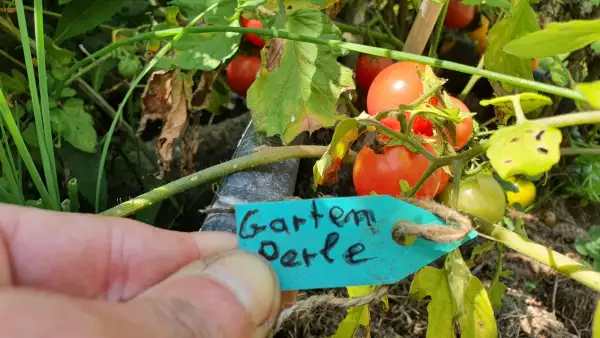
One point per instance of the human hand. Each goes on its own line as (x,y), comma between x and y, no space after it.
(77,275)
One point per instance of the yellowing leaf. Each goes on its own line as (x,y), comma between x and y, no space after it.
(525,149)
(473,307)
(433,282)
(596,321)
(591,91)
(299,84)
(529,102)
(356,316)
(556,38)
(325,170)
(478,319)
(521,21)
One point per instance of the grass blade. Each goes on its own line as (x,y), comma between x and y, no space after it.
(37,112)
(132,86)
(9,173)
(50,173)
(22,148)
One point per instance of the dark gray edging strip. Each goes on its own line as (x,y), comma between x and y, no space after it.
(272,182)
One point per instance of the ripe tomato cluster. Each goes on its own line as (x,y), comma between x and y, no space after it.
(242,70)
(381,171)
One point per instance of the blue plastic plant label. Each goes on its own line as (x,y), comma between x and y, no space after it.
(337,242)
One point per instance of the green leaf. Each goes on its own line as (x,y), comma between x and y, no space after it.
(298,88)
(325,170)
(580,247)
(591,91)
(356,316)
(82,15)
(519,22)
(433,282)
(556,38)
(491,3)
(75,125)
(596,46)
(205,51)
(529,149)
(83,166)
(30,136)
(558,71)
(530,102)
(14,83)
(480,249)
(98,74)
(496,292)
(473,307)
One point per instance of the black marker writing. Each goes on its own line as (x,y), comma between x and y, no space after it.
(353,251)
(289,259)
(315,214)
(279,225)
(256,229)
(263,250)
(330,242)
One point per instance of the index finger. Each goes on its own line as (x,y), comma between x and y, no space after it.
(94,256)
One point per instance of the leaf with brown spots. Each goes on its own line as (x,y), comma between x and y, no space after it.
(529,149)
(165,99)
(300,83)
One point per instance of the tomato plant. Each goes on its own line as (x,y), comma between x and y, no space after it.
(187,43)
(480,195)
(381,173)
(252,38)
(459,15)
(368,67)
(241,73)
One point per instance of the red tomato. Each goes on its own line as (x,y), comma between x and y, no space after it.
(397,84)
(381,173)
(367,68)
(459,16)
(253,38)
(241,73)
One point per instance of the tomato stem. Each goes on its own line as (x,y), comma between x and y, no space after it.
(396,55)
(559,262)
(518,109)
(572,119)
(264,156)
(579,151)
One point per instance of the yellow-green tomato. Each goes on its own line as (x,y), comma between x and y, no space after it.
(526,194)
(480,195)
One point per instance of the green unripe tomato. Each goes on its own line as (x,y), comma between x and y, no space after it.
(480,195)
(128,67)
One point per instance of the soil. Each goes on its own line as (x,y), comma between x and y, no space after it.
(538,303)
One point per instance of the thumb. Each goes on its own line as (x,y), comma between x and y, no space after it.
(233,294)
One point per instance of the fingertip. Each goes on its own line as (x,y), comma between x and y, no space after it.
(236,293)
(214,242)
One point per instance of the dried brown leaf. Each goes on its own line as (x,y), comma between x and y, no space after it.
(273,53)
(202,94)
(165,99)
